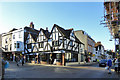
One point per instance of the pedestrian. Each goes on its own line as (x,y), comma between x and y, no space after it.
(22,61)
(17,60)
(3,67)
(114,60)
(109,64)
(98,60)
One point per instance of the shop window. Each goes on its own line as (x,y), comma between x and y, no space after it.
(44,57)
(59,57)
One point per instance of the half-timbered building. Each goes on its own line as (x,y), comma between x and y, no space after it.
(57,47)
(42,42)
(30,39)
(64,45)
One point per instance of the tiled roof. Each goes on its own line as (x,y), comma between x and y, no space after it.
(13,29)
(46,33)
(66,33)
(34,33)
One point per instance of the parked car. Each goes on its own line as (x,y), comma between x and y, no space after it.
(103,63)
(117,65)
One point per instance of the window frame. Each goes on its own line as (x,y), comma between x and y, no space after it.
(18,45)
(41,44)
(29,46)
(14,36)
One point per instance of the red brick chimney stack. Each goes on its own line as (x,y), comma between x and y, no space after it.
(32,25)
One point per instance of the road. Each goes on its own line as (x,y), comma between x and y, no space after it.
(40,71)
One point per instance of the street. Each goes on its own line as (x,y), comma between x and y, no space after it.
(41,71)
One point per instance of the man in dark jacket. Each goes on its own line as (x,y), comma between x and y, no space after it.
(22,60)
(3,67)
(17,60)
(109,64)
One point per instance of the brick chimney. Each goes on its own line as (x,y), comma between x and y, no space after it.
(32,25)
(99,42)
(47,28)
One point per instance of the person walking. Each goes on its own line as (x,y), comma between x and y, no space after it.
(3,67)
(17,60)
(109,64)
(22,61)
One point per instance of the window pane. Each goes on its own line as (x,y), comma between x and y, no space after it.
(18,45)
(14,45)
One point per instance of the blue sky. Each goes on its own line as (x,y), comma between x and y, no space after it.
(78,15)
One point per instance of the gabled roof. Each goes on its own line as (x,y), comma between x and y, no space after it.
(46,33)
(77,40)
(34,33)
(65,33)
(13,29)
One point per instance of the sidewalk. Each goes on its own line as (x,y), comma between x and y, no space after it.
(80,64)
(73,64)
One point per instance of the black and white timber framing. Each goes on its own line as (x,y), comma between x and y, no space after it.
(58,40)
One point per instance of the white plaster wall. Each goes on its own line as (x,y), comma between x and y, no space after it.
(18,39)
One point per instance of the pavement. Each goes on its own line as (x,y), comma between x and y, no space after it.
(30,70)
(80,64)
(84,66)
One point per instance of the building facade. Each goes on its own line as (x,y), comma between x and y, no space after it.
(7,44)
(18,43)
(89,45)
(99,51)
(56,47)
(59,46)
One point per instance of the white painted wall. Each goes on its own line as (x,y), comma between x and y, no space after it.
(19,38)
